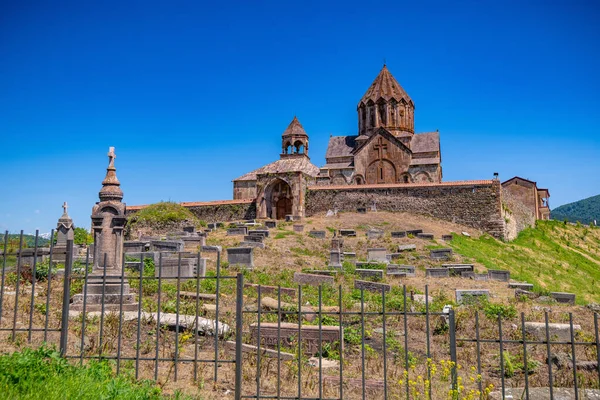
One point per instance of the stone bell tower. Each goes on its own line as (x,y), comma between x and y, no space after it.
(105,283)
(294,140)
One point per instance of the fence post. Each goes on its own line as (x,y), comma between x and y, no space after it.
(64,323)
(239,324)
(452,329)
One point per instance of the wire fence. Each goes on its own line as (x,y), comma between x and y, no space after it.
(302,343)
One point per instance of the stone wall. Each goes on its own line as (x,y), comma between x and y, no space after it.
(516,214)
(472,203)
(232,210)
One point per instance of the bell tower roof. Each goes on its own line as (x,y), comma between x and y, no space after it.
(295,128)
(386,87)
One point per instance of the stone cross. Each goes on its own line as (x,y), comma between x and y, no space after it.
(65,207)
(111,157)
(380,147)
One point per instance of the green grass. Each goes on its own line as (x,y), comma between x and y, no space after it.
(553,256)
(42,373)
(163,213)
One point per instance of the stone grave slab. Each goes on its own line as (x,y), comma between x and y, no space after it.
(458,269)
(427,236)
(167,245)
(298,228)
(526,293)
(135,246)
(447,238)
(337,243)
(237,231)
(499,275)
(264,289)
(521,285)
(254,238)
(312,279)
(375,234)
(467,274)
(193,243)
(327,272)
(264,352)
(361,210)
(243,256)
(562,297)
(170,268)
(317,234)
(437,272)
(289,218)
(378,255)
(372,286)
(399,234)
(335,259)
(255,245)
(465,294)
(440,254)
(288,334)
(480,277)
(558,332)
(271,224)
(414,232)
(259,232)
(349,254)
(408,270)
(348,232)
(369,273)
(407,247)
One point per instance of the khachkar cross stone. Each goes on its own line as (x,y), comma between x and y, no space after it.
(105,283)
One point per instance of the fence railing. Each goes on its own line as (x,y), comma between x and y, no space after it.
(321,342)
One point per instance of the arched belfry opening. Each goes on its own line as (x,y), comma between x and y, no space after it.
(294,140)
(279,199)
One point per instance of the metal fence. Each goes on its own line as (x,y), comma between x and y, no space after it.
(416,351)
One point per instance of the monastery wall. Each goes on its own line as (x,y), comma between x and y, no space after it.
(472,203)
(516,212)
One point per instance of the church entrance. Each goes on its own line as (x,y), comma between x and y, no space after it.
(279,199)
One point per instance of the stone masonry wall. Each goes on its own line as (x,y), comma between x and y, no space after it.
(223,212)
(476,203)
(516,214)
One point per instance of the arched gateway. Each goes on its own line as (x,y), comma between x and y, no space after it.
(279,199)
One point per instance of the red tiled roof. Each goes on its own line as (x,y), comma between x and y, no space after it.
(403,185)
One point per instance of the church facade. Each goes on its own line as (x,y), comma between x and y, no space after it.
(386,150)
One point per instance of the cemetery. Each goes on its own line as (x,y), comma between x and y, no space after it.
(315,285)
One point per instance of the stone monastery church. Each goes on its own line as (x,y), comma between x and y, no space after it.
(386,151)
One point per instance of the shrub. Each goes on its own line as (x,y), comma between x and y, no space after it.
(493,310)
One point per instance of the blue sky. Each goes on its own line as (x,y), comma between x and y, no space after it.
(195,94)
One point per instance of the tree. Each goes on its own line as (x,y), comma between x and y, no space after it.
(82,236)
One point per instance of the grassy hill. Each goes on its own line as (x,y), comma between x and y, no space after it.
(554,256)
(584,211)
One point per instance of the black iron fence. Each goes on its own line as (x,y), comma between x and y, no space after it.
(303,343)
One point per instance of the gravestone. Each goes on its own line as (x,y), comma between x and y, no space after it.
(467,274)
(394,256)
(337,244)
(259,232)
(378,255)
(480,277)
(327,272)
(135,246)
(243,256)
(446,238)
(369,273)
(169,267)
(312,279)
(212,226)
(466,294)
(317,234)
(256,245)
(458,269)
(349,254)
(243,230)
(335,259)
(394,269)
(520,285)
(298,228)
(289,218)
(526,293)
(271,224)
(348,232)
(437,272)
(361,210)
(193,243)
(414,232)
(286,332)
(440,254)
(428,236)
(189,229)
(64,232)
(372,286)
(557,332)
(167,245)
(406,247)
(499,275)
(562,297)
(254,238)
(105,283)
(399,234)
(375,234)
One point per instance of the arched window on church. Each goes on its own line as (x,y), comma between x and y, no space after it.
(382,114)
(405,178)
(381,173)
(371,116)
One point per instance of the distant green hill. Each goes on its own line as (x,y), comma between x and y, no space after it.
(584,211)
(28,241)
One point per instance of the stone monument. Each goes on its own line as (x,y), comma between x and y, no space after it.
(64,232)
(105,283)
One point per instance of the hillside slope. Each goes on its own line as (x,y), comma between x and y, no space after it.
(584,211)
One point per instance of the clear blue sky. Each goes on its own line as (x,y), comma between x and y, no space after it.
(194,94)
